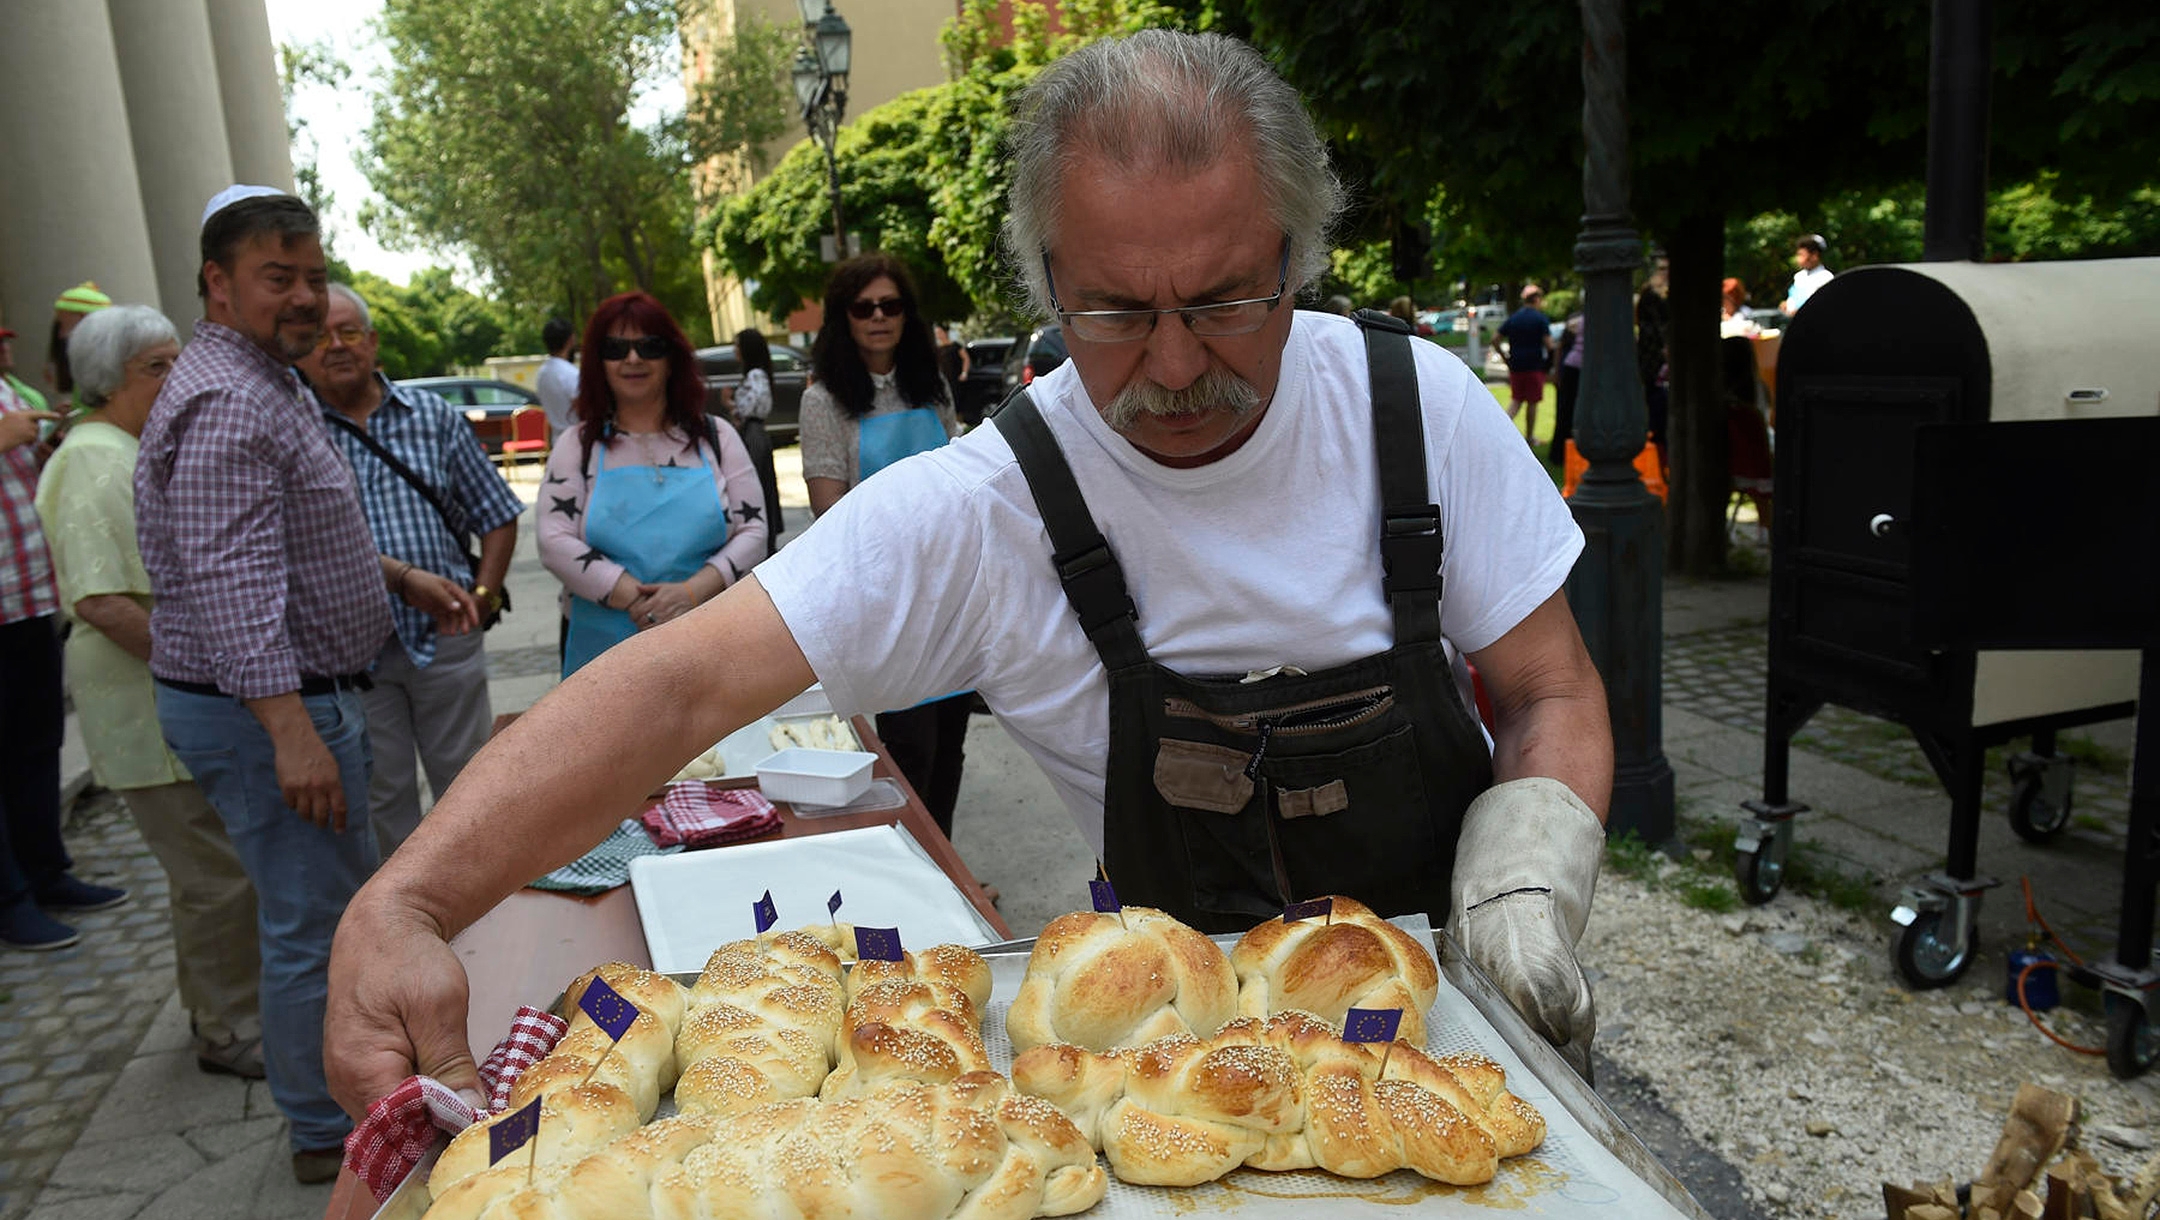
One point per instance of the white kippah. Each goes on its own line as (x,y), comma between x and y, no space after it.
(232,195)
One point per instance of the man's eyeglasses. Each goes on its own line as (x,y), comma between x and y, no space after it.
(891,307)
(350,336)
(648,347)
(1215,320)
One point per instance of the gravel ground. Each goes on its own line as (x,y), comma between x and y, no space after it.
(1780,1038)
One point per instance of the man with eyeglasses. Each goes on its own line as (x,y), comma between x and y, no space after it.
(427,488)
(269,610)
(1214,574)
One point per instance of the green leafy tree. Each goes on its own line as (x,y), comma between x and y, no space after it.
(430,326)
(1725,121)
(503,132)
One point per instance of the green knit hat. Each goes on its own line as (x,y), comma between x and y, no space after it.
(82,298)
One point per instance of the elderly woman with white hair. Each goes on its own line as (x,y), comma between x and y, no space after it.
(86,503)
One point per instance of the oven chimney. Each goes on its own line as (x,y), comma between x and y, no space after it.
(1957,154)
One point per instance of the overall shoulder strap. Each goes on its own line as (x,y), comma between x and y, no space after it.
(1410,541)
(1093,581)
(400,469)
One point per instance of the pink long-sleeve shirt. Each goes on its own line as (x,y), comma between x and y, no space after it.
(568,485)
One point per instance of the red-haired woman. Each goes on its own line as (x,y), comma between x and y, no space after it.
(650,506)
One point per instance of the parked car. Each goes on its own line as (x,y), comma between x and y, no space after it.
(790,373)
(1042,351)
(984,384)
(486,401)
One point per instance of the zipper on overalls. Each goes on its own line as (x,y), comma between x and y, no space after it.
(1267,811)
(1317,716)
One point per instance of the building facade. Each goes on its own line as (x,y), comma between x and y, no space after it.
(125,116)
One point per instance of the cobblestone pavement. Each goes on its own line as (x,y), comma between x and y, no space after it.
(69,1021)
(1723,675)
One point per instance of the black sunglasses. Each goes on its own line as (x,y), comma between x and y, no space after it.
(649,347)
(891,307)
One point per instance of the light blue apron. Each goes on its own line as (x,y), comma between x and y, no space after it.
(661,523)
(885,439)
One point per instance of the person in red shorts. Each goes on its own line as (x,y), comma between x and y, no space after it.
(1528,336)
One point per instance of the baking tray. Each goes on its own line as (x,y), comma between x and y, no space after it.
(1590,1164)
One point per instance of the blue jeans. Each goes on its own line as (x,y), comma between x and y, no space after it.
(303,874)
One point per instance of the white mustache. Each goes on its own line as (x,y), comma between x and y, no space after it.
(1215,390)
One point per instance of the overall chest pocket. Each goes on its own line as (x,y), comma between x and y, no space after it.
(1288,802)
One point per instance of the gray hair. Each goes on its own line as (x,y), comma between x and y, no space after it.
(352,297)
(1165,99)
(104,342)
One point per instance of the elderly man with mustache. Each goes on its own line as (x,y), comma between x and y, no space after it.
(269,609)
(1198,573)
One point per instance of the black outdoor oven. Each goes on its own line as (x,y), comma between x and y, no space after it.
(1876,355)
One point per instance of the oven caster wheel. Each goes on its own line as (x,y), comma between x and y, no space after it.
(2040,805)
(1760,873)
(1930,955)
(2132,1044)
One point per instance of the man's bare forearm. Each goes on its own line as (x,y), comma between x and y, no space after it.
(495,548)
(586,756)
(1563,737)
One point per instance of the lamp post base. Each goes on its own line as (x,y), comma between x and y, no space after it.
(1615,593)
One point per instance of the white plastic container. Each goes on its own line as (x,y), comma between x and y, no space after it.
(815,777)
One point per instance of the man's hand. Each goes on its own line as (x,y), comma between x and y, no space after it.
(308,777)
(1525,867)
(18,428)
(454,610)
(397,1007)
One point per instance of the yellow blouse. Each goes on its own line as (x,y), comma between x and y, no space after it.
(86,503)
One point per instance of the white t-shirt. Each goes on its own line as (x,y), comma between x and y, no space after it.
(556,384)
(936,575)
(1805,282)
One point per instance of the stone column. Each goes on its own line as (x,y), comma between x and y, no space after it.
(169,73)
(248,84)
(70,202)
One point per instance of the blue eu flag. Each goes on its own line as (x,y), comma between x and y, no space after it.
(1105,897)
(832,904)
(765,913)
(877,944)
(1306,910)
(1371,1024)
(607,1008)
(513,1131)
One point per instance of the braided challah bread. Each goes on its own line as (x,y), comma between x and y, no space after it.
(1094,982)
(1327,966)
(906,1030)
(954,966)
(759,1025)
(1283,1093)
(972,1148)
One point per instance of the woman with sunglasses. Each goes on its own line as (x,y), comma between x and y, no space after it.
(879,398)
(651,507)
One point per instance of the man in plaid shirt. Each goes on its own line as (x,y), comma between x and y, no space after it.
(269,610)
(33,862)
(430,693)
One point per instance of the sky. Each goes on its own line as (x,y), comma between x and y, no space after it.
(336,119)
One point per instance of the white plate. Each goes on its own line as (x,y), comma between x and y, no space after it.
(694,902)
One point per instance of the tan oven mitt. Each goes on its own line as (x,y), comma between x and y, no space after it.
(1525,867)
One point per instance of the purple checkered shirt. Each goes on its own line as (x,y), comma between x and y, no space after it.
(26,575)
(251,529)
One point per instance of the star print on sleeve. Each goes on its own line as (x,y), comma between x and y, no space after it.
(591,554)
(750,512)
(566,505)
(735,570)
(556,478)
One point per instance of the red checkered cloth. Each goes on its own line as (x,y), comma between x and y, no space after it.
(402,1127)
(696,815)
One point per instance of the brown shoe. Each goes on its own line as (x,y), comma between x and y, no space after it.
(315,1166)
(235,1056)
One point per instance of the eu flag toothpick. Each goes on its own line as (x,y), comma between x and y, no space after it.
(832,907)
(765,913)
(608,1009)
(1306,910)
(877,944)
(513,1131)
(1105,896)
(1373,1025)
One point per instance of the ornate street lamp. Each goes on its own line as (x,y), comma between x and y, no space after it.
(820,76)
(1616,586)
